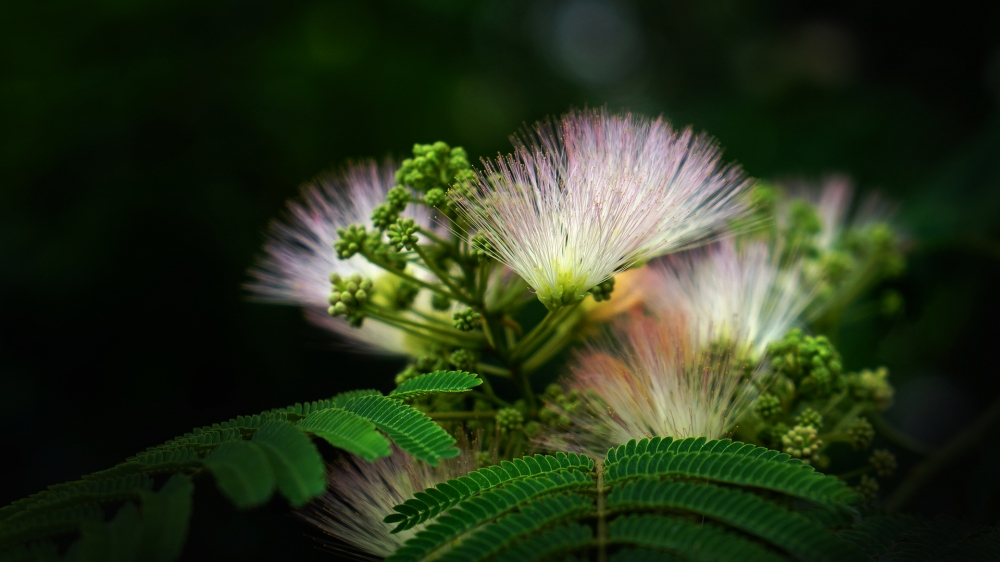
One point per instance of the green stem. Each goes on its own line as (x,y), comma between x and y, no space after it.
(542,330)
(850,415)
(461,415)
(443,276)
(547,351)
(415,329)
(602,523)
(521,378)
(965,442)
(488,330)
(412,279)
(493,370)
(434,237)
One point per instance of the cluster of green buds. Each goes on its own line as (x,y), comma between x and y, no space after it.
(811,363)
(602,292)
(559,403)
(803,442)
(466,320)
(812,403)
(349,296)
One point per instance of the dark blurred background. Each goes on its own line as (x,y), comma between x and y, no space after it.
(144,146)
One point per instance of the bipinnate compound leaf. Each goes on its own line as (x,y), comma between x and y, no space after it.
(409,428)
(803,538)
(166,515)
(483,508)
(738,464)
(242,473)
(298,466)
(686,539)
(154,532)
(348,431)
(432,501)
(488,540)
(434,383)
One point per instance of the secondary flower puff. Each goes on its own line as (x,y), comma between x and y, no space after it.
(593,194)
(299,257)
(732,287)
(361,494)
(651,379)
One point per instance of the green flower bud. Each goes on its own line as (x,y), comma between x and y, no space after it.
(872,386)
(481,248)
(768,405)
(384,216)
(463,359)
(602,292)
(861,433)
(810,417)
(398,197)
(440,302)
(436,198)
(402,234)
(406,293)
(466,319)
(802,442)
(884,462)
(351,240)
(868,487)
(509,419)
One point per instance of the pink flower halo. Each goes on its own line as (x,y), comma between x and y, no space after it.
(654,377)
(299,257)
(595,193)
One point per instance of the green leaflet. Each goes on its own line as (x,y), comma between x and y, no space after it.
(411,429)
(64,495)
(482,508)
(688,540)
(489,539)
(348,431)
(793,479)
(156,534)
(693,445)
(432,501)
(547,544)
(298,466)
(242,473)
(434,383)
(787,530)
(523,510)
(35,527)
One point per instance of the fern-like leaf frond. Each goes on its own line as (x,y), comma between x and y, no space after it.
(348,431)
(795,480)
(787,530)
(489,539)
(434,383)
(298,466)
(432,501)
(242,473)
(547,544)
(409,428)
(73,493)
(693,445)
(484,507)
(688,540)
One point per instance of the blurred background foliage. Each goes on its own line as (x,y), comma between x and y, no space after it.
(144,146)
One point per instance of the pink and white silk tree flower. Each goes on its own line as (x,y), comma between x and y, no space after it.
(299,256)
(651,378)
(361,494)
(596,193)
(733,290)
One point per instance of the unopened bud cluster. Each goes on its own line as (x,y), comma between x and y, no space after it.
(348,296)
(802,442)
(602,292)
